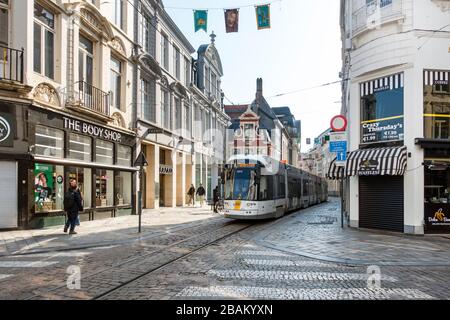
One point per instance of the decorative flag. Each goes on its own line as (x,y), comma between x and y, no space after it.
(232,20)
(263,16)
(201,20)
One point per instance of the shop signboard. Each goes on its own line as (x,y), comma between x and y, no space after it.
(43,183)
(6,130)
(382,130)
(437,217)
(164,169)
(369,168)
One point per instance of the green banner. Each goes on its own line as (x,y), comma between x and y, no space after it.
(200,20)
(263,16)
(43,182)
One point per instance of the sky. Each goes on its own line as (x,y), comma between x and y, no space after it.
(302,49)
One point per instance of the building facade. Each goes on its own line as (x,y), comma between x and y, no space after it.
(65,71)
(396,95)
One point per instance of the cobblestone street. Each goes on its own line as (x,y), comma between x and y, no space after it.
(193,254)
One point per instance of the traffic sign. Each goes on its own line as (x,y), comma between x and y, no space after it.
(338,146)
(341,156)
(339,123)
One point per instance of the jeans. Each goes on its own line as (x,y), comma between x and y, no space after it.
(71,221)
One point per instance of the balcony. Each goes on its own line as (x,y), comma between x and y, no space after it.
(11,70)
(90,100)
(373,14)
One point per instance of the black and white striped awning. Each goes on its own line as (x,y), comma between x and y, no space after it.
(432,77)
(335,172)
(380,161)
(394,81)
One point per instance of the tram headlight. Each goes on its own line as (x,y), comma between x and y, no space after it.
(251,204)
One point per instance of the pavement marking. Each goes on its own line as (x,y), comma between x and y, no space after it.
(26,264)
(261,253)
(4,276)
(301,294)
(288,275)
(53,255)
(287,263)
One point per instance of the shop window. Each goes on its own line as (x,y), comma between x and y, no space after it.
(84,182)
(123,188)
(104,152)
(49,142)
(124,156)
(80,147)
(48,188)
(436,106)
(104,188)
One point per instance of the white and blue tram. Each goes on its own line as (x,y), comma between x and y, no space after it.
(268,189)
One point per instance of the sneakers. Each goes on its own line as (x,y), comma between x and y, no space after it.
(65,229)
(72,232)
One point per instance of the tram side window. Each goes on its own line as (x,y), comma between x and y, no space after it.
(266,188)
(305,187)
(281,187)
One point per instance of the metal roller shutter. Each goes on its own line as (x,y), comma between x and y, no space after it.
(381,204)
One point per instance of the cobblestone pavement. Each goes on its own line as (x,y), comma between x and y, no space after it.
(297,257)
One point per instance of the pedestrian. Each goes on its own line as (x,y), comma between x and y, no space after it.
(72,205)
(216,198)
(191,195)
(201,194)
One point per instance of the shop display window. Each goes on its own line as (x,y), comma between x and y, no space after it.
(48,188)
(123,188)
(104,188)
(437,183)
(104,152)
(437,109)
(80,147)
(124,156)
(49,142)
(84,181)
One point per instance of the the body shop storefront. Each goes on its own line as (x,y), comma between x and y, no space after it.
(99,158)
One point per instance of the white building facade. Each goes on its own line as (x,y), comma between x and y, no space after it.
(396,64)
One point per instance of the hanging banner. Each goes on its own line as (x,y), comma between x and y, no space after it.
(232,20)
(200,20)
(263,16)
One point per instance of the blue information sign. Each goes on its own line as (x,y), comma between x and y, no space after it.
(338,146)
(341,156)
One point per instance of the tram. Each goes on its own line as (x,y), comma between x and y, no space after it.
(257,188)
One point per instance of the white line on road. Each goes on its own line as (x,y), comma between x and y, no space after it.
(4,276)
(302,294)
(261,253)
(26,264)
(286,263)
(52,255)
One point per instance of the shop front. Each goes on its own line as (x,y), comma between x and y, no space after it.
(436,145)
(98,157)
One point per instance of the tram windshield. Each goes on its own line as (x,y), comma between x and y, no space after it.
(241,184)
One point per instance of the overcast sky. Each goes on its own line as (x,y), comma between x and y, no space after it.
(301,50)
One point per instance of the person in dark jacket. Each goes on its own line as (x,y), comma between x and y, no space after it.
(201,194)
(216,198)
(72,205)
(191,195)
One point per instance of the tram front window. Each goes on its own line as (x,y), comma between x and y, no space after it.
(243,185)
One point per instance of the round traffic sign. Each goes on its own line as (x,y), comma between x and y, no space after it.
(339,123)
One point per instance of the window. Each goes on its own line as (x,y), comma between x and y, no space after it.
(249,132)
(4,21)
(164,52)
(178,114)
(84,182)
(124,156)
(165,110)
(48,187)
(148,34)
(213,84)
(207,81)
(123,188)
(104,188)
(44,41)
(188,118)
(187,72)
(177,62)
(49,142)
(116,82)
(86,60)
(436,105)
(118,13)
(104,152)
(148,89)
(80,147)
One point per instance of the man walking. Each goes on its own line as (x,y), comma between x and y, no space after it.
(191,195)
(201,194)
(72,205)
(216,198)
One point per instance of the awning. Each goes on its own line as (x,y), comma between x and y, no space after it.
(335,172)
(377,161)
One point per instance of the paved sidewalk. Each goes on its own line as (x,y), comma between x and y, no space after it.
(105,232)
(316,233)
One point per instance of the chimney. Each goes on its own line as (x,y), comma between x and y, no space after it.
(259,86)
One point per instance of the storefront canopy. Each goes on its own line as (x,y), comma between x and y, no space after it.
(376,161)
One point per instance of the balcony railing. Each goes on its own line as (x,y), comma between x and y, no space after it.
(11,64)
(374,13)
(92,98)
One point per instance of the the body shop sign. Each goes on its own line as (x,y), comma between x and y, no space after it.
(6,130)
(91,130)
